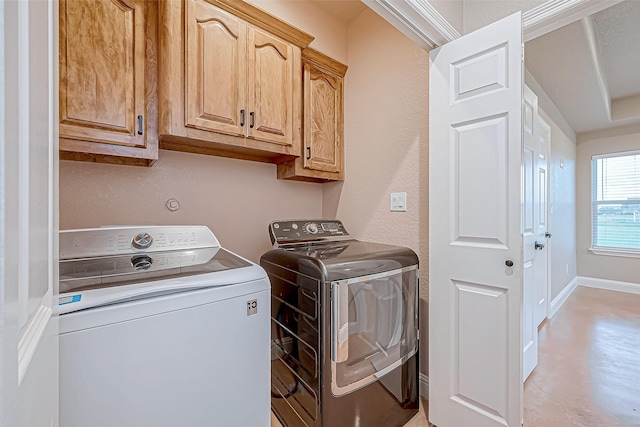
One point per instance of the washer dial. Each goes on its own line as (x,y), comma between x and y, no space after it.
(142,240)
(311,228)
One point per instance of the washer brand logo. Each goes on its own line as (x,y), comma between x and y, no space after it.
(252,307)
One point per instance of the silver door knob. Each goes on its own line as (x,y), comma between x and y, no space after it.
(539,246)
(547,234)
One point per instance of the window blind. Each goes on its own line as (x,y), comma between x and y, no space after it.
(616,201)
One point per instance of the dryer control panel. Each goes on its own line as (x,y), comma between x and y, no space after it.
(304,230)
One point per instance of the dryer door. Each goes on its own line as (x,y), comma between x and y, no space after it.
(373,327)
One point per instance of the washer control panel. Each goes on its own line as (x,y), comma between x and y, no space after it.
(305,230)
(107,241)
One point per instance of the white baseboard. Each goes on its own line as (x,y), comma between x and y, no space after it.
(562,297)
(610,285)
(424,386)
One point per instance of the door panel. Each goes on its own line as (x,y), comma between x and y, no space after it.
(471,372)
(475,258)
(215,56)
(271,76)
(480,73)
(479,146)
(530,222)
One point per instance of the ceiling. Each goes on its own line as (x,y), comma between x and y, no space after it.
(591,68)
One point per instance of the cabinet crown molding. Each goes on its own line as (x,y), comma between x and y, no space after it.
(265,21)
(320,60)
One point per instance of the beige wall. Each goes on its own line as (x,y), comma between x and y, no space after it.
(590,144)
(236,199)
(386,133)
(330,34)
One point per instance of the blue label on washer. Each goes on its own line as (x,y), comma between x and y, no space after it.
(69,299)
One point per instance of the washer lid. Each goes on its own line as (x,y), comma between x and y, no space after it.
(89,289)
(121,270)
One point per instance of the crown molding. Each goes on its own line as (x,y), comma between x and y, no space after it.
(554,14)
(422,23)
(417,19)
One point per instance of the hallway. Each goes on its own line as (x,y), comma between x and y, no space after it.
(588,371)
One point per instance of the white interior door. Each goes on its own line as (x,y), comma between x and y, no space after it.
(530,221)
(28,214)
(475,240)
(541,274)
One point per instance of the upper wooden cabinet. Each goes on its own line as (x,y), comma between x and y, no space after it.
(230,80)
(323,123)
(274,89)
(108,104)
(216,70)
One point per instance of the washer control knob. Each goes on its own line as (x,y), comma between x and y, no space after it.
(142,241)
(311,228)
(141,263)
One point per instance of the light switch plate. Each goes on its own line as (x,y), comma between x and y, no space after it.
(398,202)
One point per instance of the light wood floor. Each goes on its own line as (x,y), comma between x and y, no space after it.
(588,372)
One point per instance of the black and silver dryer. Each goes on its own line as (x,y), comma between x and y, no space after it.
(344,327)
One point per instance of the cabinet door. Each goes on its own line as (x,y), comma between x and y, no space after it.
(271,88)
(323,120)
(102,71)
(215,57)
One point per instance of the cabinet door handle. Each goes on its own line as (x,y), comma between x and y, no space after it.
(140,124)
(253,119)
(309,153)
(241,117)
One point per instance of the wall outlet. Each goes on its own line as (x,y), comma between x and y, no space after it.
(398,202)
(566,268)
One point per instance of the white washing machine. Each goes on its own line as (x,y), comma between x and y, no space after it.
(160,326)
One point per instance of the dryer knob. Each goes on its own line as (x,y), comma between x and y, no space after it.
(142,241)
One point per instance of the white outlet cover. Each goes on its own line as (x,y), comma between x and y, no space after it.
(398,202)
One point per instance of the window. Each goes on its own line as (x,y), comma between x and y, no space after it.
(616,202)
